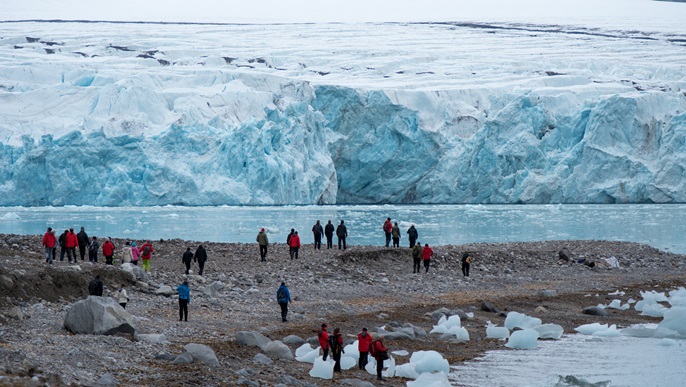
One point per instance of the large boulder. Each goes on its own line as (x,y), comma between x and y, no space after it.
(202,353)
(165,290)
(98,316)
(136,271)
(251,339)
(277,350)
(213,289)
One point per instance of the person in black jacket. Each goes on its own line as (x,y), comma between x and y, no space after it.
(341,233)
(413,235)
(62,241)
(187,259)
(95,287)
(317,230)
(328,231)
(201,257)
(82,237)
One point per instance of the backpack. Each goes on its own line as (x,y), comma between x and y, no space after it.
(146,250)
(372,348)
(94,246)
(281,294)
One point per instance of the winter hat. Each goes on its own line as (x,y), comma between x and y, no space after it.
(133,244)
(263,230)
(324,325)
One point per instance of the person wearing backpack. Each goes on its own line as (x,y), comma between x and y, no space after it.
(95,287)
(184,300)
(93,250)
(201,257)
(263,241)
(62,241)
(387,228)
(412,235)
(135,253)
(49,244)
(283,297)
(108,251)
(395,233)
(363,341)
(380,353)
(323,337)
(187,259)
(288,242)
(317,231)
(417,257)
(83,242)
(294,242)
(146,255)
(328,231)
(466,261)
(336,345)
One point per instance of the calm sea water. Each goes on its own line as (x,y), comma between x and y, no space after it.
(661,226)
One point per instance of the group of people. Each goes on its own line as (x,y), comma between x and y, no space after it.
(392,232)
(200,257)
(96,287)
(69,241)
(293,239)
(366,346)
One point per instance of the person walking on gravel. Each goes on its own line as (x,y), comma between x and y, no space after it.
(263,241)
(146,255)
(108,251)
(342,234)
(93,250)
(201,257)
(72,244)
(135,253)
(83,242)
(283,297)
(412,235)
(427,253)
(466,261)
(184,300)
(122,297)
(317,231)
(328,231)
(95,287)
(387,228)
(417,257)
(364,339)
(294,242)
(395,233)
(187,259)
(49,244)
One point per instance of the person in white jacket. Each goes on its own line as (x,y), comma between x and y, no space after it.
(122,297)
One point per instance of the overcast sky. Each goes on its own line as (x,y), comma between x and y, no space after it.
(334,10)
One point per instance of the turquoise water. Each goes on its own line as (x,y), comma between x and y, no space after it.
(661,226)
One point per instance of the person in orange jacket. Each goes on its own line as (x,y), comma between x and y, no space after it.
(323,337)
(427,253)
(363,341)
(49,244)
(294,243)
(72,243)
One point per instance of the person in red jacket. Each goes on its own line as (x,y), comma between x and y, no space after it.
(427,253)
(387,228)
(323,337)
(72,243)
(363,341)
(380,354)
(49,244)
(146,254)
(294,243)
(108,251)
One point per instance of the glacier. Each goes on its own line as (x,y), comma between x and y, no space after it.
(125,114)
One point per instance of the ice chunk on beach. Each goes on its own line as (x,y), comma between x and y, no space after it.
(406,370)
(617,304)
(371,366)
(426,379)
(677,297)
(520,320)
(653,310)
(389,366)
(496,332)
(616,293)
(589,329)
(400,352)
(667,342)
(352,350)
(650,298)
(429,361)
(322,369)
(306,354)
(524,339)
(549,331)
(675,320)
(348,362)
(444,324)
(611,331)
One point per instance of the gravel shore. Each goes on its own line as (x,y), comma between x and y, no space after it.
(362,286)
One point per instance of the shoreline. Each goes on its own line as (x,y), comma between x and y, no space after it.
(364,286)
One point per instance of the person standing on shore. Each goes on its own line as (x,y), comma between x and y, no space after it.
(395,233)
(72,244)
(134,253)
(387,228)
(417,257)
(146,255)
(364,339)
(336,344)
(466,261)
(201,257)
(62,241)
(283,297)
(380,353)
(95,287)
(187,259)
(317,230)
(342,234)
(294,242)
(412,235)
(93,250)
(83,242)
(122,297)
(263,241)
(328,231)
(49,244)
(323,337)
(184,300)
(108,251)
(427,253)
(288,242)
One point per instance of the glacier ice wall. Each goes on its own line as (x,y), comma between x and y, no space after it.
(90,123)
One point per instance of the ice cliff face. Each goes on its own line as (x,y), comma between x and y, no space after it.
(148,115)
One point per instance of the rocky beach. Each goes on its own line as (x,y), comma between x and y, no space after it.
(362,286)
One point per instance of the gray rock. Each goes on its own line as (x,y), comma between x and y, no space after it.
(245,372)
(459,312)
(487,306)
(383,316)
(262,359)
(164,356)
(106,380)
(293,340)
(247,382)
(313,341)
(152,338)
(15,313)
(213,289)
(136,271)
(184,358)
(418,331)
(355,382)
(251,338)
(548,293)
(564,255)
(595,311)
(202,353)
(165,290)
(98,316)
(6,282)
(278,350)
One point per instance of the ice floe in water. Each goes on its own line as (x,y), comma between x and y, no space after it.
(524,339)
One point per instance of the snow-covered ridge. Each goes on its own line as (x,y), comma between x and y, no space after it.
(154,114)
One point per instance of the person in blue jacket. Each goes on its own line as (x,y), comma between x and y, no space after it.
(184,300)
(283,297)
